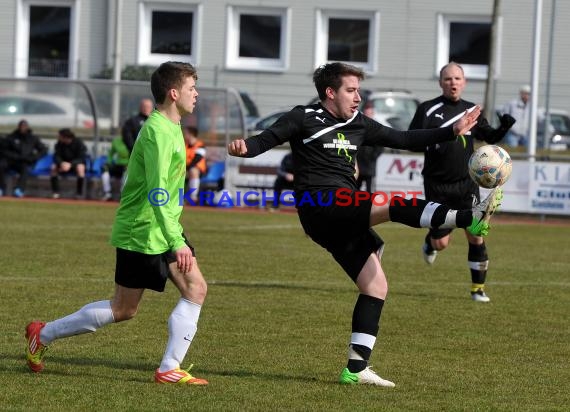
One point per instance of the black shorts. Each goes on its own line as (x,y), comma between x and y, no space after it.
(344,231)
(463,194)
(116,170)
(137,270)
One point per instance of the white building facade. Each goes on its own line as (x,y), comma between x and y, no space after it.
(269,48)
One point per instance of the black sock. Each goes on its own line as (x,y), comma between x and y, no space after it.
(429,247)
(421,213)
(54,184)
(80,186)
(478,263)
(464,218)
(365,327)
(407,211)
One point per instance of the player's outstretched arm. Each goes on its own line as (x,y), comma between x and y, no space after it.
(467,121)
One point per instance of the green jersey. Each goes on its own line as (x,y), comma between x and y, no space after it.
(147,219)
(118,153)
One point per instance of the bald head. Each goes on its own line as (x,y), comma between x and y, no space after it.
(146,106)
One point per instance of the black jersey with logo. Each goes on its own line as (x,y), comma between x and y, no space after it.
(324,147)
(447,162)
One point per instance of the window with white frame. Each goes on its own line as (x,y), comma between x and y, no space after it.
(258,38)
(46,40)
(467,41)
(168,31)
(348,36)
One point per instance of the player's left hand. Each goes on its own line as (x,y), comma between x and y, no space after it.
(506,120)
(467,121)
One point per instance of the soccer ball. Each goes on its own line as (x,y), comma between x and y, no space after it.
(490,166)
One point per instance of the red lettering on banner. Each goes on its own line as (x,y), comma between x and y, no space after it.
(401,168)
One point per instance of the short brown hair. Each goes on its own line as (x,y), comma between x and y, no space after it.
(170,75)
(331,74)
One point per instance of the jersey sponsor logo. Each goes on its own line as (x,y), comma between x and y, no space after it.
(342,144)
(440,115)
(320,119)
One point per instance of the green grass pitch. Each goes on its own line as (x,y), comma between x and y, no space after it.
(274,329)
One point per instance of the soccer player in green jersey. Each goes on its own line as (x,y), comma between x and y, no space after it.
(151,246)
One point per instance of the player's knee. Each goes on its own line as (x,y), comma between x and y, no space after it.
(200,289)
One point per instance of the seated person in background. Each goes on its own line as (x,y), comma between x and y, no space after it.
(284,179)
(21,150)
(70,157)
(195,160)
(117,161)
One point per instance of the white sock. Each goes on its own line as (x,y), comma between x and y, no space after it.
(106,182)
(182,326)
(194,184)
(87,319)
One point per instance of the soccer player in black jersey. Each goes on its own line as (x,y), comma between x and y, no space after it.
(445,171)
(325,138)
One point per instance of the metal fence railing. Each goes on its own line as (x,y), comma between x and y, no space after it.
(96,109)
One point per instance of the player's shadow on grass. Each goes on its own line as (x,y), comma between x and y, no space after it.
(430,296)
(85,365)
(278,285)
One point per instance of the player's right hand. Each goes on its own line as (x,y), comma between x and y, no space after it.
(467,121)
(237,148)
(184,259)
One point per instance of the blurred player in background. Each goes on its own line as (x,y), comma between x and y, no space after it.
(195,161)
(446,174)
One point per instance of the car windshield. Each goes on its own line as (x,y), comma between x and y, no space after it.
(396,109)
(560,123)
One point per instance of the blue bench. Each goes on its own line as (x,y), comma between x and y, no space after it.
(42,166)
(214,178)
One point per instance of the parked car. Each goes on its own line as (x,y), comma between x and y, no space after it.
(396,108)
(251,111)
(393,108)
(264,122)
(559,130)
(47,110)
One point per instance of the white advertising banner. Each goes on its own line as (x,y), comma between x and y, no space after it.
(399,172)
(534,187)
(549,188)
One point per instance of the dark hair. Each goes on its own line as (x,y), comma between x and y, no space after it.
(193,130)
(331,74)
(66,133)
(22,122)
(170,75)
